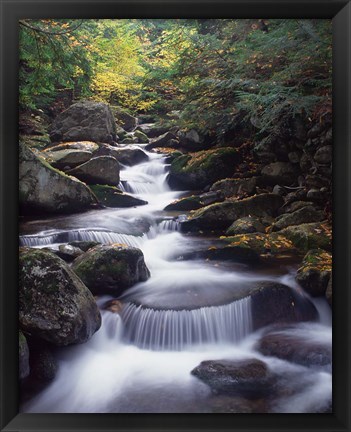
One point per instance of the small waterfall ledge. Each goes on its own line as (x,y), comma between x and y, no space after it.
(175,330)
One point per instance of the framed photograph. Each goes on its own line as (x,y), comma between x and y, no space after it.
(175,204)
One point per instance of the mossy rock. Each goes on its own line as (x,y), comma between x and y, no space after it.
(54,304)
(315,272)
(245,225)
(142,138)
(235,187)
(310,236)
(43,188)
(113,197)
(184,204)
(111,269)
(200,169)
(306,214)
(221,215)
(268,243)
(98,170)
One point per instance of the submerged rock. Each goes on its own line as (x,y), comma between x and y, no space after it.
(315,272)
(54,304)
(45,189)
(86,121)
(98,170)
(250,377)
(111,196)
(273,303)
(286,345)
(221,215)
(197,170)
(111,269)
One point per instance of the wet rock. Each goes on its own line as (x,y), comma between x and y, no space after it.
(113,197)
(54,304)
(162,141)
(249,378)
(45,189)
(99,170)
(305,214)
(274,303)
(245,225)
(43,363)
(222,215)
(129,155)
(114,306)
(224,252)
(86,121)
(194,202)
(142,138)
(282,343)
(324,155)
(68,252)
(62,158)
(129,140)
(309,236)
(315,272)
(279,172)
(197,170)
(124,119)
(237,405)
(23,353)
(185,204)
(111,269)
(235,187)
(84,245)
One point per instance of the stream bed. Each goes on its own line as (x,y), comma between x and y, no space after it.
(189,311)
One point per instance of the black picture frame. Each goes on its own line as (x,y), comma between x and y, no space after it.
(340,11)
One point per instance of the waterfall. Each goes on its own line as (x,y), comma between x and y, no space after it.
(105,237)
(175,330)
(168,225)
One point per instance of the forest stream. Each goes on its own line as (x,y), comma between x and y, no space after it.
(189,311)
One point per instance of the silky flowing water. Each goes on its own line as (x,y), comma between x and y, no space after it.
(187,312)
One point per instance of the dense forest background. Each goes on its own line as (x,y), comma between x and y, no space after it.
(220,74)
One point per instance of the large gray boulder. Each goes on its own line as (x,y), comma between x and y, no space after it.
(42,188)
(54,304)
(98,170)
(111,269)
(62,159)
(85,120)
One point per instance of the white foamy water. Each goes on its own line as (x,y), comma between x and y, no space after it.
(141,361)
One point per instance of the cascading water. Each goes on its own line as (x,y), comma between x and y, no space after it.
(187,312)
